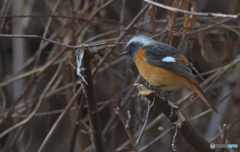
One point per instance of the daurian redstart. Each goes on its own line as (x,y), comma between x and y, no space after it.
(163,66)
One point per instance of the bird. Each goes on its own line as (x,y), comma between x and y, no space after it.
(164,67)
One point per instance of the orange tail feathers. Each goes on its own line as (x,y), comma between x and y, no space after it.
(204,97)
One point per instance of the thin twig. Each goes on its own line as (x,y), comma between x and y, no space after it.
(126,127)
(110,50)
(77,123)
(59,119)
(224,134)
(138,142)
(40,49)
(229,126)
(122,105)
(156,139)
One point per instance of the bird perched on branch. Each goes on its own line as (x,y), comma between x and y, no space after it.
(164,67)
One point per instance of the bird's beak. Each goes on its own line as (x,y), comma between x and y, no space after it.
(123,53)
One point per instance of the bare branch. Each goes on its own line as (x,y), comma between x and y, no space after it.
(91,99)
(126,127)
(191,13)
(190,133)
(58,43)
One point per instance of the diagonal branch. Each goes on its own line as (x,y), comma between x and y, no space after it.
(191,134)
(191,13)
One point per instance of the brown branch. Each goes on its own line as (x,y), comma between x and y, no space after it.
(58,43)
(191,134)
(104,20)
(127,128)
(185,98)
(91,99)
(208,27)
(77,123)
(74,78)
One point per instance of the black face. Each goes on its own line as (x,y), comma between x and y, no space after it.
(132,49)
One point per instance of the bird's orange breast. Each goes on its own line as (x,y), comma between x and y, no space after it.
(158,76)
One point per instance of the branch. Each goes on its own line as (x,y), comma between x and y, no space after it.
(191,13)
(58,43)
(191,134)
(91,99)
(127,128)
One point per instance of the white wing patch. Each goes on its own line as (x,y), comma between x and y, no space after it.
(168,59)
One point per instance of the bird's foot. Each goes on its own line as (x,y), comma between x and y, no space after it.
(174,108)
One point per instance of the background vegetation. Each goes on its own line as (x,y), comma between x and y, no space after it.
(45,106)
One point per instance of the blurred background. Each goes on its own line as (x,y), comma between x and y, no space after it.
(38,77)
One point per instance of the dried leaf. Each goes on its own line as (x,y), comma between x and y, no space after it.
(189,20)
(152,11)
(203,46)
(227,52)
(85,9)
(143,90)
(172,18)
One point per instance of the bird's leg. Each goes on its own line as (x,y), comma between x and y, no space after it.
(174,108)
(154,89)
(165,95)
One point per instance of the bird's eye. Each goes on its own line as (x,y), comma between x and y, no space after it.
(131,45)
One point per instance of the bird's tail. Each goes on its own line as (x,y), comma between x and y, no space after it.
(204,97)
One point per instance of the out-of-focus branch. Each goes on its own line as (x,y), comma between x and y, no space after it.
(60,118)
(40,49)
(18,47)
(110,50)
(58,43)
(127,128)
(191,13)
(36,107)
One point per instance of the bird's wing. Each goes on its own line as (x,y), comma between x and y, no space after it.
(170,59)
